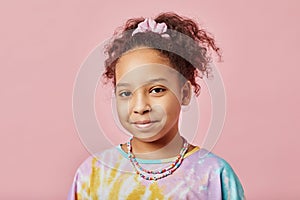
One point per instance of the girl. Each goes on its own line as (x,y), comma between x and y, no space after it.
(153,65)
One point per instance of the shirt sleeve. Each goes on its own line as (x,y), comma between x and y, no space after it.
(79,188)
(231,186)
(73,190)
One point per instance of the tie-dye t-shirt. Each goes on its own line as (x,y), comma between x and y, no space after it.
(110,175)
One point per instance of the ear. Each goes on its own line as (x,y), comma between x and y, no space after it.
(186,93)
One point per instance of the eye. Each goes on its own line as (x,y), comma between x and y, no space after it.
(125,94)
(157,90)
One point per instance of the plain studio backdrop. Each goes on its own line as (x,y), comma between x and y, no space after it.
(43,43)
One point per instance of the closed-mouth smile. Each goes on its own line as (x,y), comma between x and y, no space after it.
(144,123)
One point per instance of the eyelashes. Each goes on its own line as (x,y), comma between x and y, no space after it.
(157,90)
(154,91)
(125,94)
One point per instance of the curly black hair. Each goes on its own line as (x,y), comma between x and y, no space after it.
(188,48)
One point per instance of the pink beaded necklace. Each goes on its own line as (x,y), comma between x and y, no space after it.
(156,174)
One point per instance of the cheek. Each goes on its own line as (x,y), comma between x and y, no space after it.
(173,106)
(173,99)
(122,109)
(169,106)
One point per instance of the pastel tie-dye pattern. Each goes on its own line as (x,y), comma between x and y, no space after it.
(109,175)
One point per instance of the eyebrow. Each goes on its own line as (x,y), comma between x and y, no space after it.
(146,82)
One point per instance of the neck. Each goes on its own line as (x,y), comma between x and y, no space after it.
(171,149)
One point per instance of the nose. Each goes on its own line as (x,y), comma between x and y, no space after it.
(140,104)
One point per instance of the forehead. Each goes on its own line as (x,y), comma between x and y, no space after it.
(144,64)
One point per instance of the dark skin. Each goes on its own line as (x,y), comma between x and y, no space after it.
(124,147)
(133,101)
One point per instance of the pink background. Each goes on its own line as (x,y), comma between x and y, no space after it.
(43,44)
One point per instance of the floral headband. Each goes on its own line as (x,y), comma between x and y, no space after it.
(150,25)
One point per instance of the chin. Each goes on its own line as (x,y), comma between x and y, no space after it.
(144,138)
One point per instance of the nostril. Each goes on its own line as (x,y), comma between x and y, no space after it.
(142,111)
(140,104)
(146,111)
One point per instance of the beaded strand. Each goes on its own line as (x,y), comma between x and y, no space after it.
(156,174)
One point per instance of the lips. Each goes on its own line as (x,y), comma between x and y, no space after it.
(144,123)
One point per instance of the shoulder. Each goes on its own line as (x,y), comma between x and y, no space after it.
(101,159)
(205,162)
(218,172)
(203,157)
(228,179)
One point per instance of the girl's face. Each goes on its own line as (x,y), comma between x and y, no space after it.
(148,95)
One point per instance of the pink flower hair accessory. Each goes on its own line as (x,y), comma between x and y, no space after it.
(150,25)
